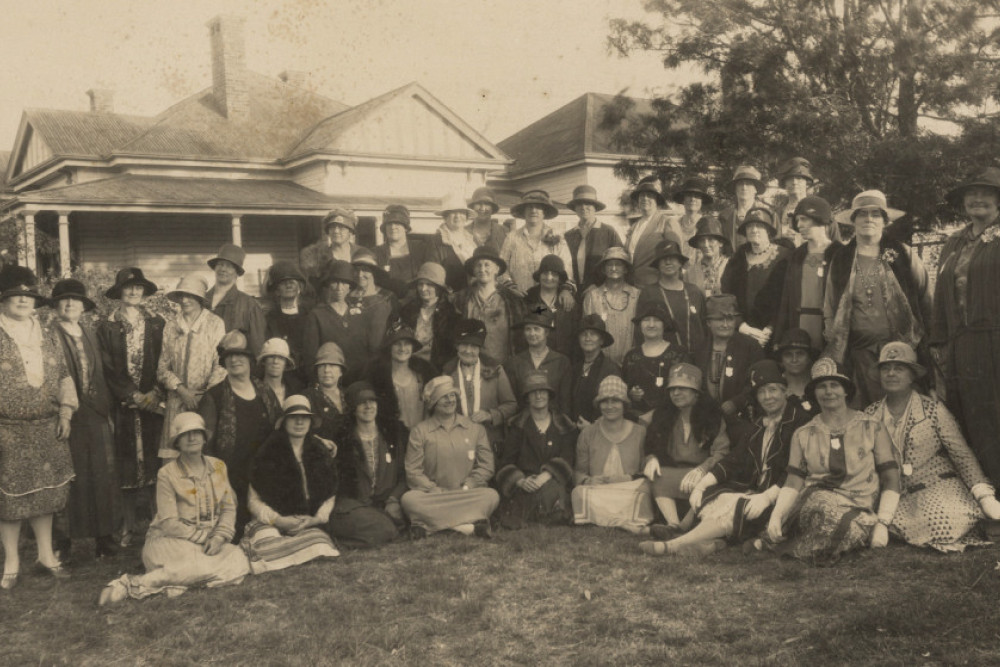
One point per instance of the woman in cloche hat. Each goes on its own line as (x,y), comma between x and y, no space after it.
(338,320)
(613,298)
(432,316)
(399,256)
(131,340)
(525,247)
(453,245)
(543,297)
(947,493)
(399,376)
(694,196)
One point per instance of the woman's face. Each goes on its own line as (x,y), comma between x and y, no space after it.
(297,426)
(710,247)
(869,222)
(485,271)
(612,409)
(795,361)
(395,232)
(191,443)
(535,335)
(274,366)
(548,280)
(69,309)
(132,295)
(586,212)
(646,203)
(758,237)
(692,203)
(468,353)
(896,377)
(745,190)
(539,399)
(446,405)
(722,327)
(401,351)
(534,215)
(238,366)
(772,398)
(590,340)
(798,186)
(366,411)
(614,269)
(289,289)
(225,272)
(190,305)
(337,291)
(669,267)
(651,328)
(19,307)
(831,395)
(455,219)
(366,279)
(339,234)
(484,211)
(683,397)
(428,293)
(328,375)
(981,202)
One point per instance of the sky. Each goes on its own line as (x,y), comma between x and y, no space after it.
(499,65)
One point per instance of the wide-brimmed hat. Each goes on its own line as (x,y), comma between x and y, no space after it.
(130,276)
(339,271)
(595,322)
(190,285)
(655,309)
(485,252)
(864,200)
(684,375)
(745,172)
(823,369)
(357,393)
(395,214)
(988,178)
(649,188)
(469,331)
(297,404)
(277,347)
(433,274)
(232,254)
(536,198)
(234,342)
(536,380)
(19,281)
(484,195)
(185,422)
(363,258)
(70,288)
(612,387)
(765,372)
(551,263)
(618,253)
(330,353)
(901,353)
(796,166)
(585,194)
(347,219)
(694,186)
(282,271)
(667,248)
(438,388)
(709,227)
(758,215)
(454,202)
(721,305)
(814,207)
(795,339)
(398,331)
(542,319)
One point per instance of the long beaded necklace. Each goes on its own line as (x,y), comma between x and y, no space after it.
(869,280)
(687,313)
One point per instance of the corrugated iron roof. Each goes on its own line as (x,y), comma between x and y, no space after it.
(84,134)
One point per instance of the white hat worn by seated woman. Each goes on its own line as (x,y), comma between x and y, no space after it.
(437,389)
(185,422)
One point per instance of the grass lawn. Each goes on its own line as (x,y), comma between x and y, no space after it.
(573,596)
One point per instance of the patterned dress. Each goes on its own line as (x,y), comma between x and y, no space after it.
(616,308)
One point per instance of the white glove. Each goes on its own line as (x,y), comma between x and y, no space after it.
(986,496)
(880,536)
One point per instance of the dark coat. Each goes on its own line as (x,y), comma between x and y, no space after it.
(275,475)
(734,281)
(741,353)
(563,338)
(379,373)
(444,323)
(332,418)
(519,459)
(599,238)
(399,284)
(390,477)
(239,310)
(555,365)
(780,301)
(98,398)
(515,314)
(455,276)
(585,386)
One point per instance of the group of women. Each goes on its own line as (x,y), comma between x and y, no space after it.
(805,400)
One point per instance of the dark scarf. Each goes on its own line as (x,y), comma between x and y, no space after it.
(276,478)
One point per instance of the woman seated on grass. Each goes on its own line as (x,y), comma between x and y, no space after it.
(449,464)
(944,491)
(293,487)
(734,499)
(610,489)
(842,486)
(685,439)
(188,541)
(536,464)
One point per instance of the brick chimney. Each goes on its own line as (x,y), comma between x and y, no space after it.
(294,78)
(102,100)
(229,80)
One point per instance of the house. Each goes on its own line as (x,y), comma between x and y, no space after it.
(251,160)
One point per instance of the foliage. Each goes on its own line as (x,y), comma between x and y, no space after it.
(845,84)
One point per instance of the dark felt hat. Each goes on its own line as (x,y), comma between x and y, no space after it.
(668,248)
(720,305)
(282,271)
(232,254)
(795,339)
(363,258)
(765,372)
(814,207)
(655,309)
(338,271)
(746,172)
(650,188)
(70,288)
(595,322)
(551,263)
(797,166)
(988,178)
(470,332)
(709,227)
(537,198)
(130,276)
(585,194)
(536,380)
(694,186)
(540,318)
(484,195)
(234,342)
(399,331)
(19,281)
(485,252)
(357,393)
(395,214)
(758,215)
(347,219)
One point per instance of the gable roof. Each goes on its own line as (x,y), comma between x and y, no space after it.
(570,133)
(439,131)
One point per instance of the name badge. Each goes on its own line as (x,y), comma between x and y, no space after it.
(694,310)
(729,371)
(549,443)
(659,382)
(907,469)
(820,272)
(806,405)
(388,457)
(472,454)
(835,442)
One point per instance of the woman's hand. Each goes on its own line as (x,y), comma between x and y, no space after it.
(991,507)
(582,423)
(62,429)
(757,505)
(188,399)
(774,532)
(691,480)
(288,525)
(529,484)
(482,417)
(566,300)
(394,509)
(636,393)
(695,499)
(728,408)
(330,445)
(214,545)
(652,469)
(880,536)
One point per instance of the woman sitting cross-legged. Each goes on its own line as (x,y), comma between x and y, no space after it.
(685,439)
(449,463)
(944,490)
(536,464)
(610,489)
(372,477)
(734,498)
(188,541)
(293,490)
